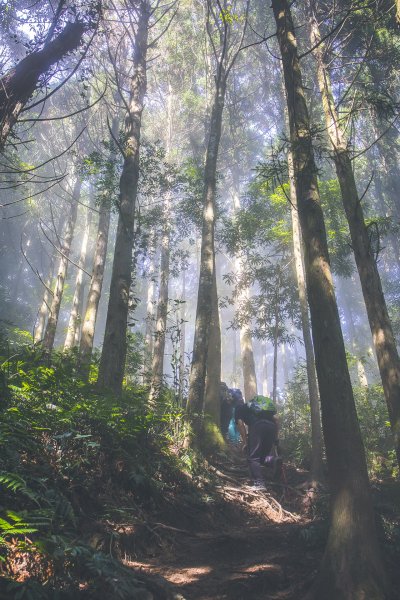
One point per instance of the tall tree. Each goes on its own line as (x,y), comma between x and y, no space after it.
(113,356)
(345,572)
(75,317)
(50,333)
(162,306)
(364,253)
(225,49)
(163,297)
(99,258)
(316,433)
(18,85)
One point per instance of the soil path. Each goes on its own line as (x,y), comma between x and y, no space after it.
(250,547)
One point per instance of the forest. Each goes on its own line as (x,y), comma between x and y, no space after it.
(199,300)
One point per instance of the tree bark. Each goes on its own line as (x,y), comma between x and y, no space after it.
(246,341)
(378,317)
(50,333)
(248,363)
(204,298)
(162,309)
(96,284)
(182,344)
(18,85)
(212,406)
(352,566)
(73,325)
(113,356)
(44,307)
(316,433)
(149,335)
(265,389)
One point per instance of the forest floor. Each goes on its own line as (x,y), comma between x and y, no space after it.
(245,544)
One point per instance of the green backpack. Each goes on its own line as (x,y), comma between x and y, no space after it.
(262,403)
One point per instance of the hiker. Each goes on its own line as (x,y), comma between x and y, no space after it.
(225,400)
(237,400)
(258,426)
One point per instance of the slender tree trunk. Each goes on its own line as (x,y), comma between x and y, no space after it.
(264,368)
(96,284)
(45,306)
(18,85)
(149,335)
(213,380)
(379,321)
(275,364)
(204,297)
(183,337)
(162,306)
(73,325)
(78,329)
(50,333)
(246,341)
(352,566)
(345,303)
(113,356)
(285,366)
(162,309)
(234,361)
(316,433)
(248,363)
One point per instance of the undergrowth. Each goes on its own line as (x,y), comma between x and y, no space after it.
(66,454)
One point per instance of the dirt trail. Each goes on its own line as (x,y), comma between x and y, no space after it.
(250,547)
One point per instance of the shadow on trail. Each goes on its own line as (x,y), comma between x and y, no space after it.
(249,545)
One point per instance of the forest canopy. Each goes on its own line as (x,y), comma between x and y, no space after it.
(198,197)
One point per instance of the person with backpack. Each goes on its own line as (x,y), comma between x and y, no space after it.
(233,435)
(258,426)
(225,402)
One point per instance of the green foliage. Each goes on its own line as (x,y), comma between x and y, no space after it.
(375,428)
(372,415)
(64,451)
(103,170)
(295,419)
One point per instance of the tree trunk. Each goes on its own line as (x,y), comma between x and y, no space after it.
(378,317)
(248,363)
(162,309)
(18,85)
(73,325)
(316,433)
(352,566)
(212,406)
(182,344)
(234,360)
(345,303)
(276,343)
(44,307)
(149,335)
(246,341)
(264,368)
(113,356)
(204,297)
(50,333)
(96,284)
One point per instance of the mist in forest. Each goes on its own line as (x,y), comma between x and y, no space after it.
(199,192)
